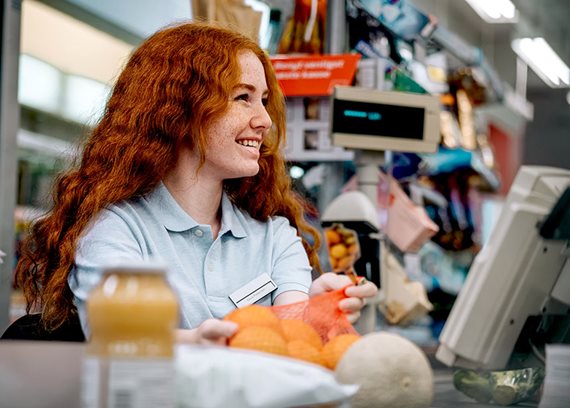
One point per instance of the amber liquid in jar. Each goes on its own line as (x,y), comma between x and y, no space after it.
(132,316)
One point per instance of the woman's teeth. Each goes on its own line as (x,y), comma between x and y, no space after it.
(251,143)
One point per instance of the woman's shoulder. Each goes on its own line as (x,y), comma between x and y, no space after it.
(113,213)
(117,216)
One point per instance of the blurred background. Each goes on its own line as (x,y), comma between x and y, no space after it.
(485,60)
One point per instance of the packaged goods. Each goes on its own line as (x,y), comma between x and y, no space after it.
(129,362)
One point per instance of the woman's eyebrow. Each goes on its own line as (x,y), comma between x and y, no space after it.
(251,88)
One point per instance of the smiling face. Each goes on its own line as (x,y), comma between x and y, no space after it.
(234,139)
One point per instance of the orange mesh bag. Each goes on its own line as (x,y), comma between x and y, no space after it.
(343,249)
(315,330)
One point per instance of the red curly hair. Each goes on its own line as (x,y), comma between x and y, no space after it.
(173,86)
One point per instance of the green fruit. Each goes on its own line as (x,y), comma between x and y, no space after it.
(391,371)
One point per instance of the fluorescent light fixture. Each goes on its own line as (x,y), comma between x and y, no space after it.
(44,87)
(39,84)
(46,145)
(495,11)
(538,55)
(70,45)
(84,99)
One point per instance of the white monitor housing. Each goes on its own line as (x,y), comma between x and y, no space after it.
(369,119)
(515,276)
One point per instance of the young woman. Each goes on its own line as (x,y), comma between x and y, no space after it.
(186,165)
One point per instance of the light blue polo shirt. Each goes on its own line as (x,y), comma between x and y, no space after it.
(202,271)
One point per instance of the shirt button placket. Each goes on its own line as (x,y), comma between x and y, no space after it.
(212,257)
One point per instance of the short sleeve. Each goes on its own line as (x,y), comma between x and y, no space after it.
(291,268)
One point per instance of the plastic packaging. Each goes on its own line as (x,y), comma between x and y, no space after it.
(507,387)
(343,248)
(222,377)
(133,314)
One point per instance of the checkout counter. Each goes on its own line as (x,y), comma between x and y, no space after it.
(36,374)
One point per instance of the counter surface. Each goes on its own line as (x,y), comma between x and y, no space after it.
(48,374)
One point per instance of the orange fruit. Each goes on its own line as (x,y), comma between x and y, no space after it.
(299,330)
(338,251)
(254,315)
(332,237)
(333,351)
(260,339)
(345,262)
(304,351)
(352,249)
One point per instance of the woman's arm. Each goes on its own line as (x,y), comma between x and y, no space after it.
(291,296)
(211,331)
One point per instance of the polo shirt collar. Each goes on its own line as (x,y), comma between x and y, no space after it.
(230,220)
(175,219)
(168,211)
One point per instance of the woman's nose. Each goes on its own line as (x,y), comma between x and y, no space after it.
(261,118)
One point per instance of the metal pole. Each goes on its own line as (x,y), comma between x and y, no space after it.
(335,42)
(9,124)
(521,79)
(368,176)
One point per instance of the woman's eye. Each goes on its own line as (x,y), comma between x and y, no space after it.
(242,97)
(265,101)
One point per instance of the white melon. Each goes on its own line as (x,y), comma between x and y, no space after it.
(392,372)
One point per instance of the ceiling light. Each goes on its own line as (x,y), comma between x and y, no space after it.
(538,55)
(495,11)
(70,45)
(39,85)
(84,99)
(296,172)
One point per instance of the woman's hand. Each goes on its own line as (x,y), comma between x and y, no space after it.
(356,295)
(211,331)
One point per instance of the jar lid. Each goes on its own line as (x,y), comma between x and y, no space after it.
(136,267)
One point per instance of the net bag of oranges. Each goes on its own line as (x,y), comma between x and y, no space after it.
(314,331)
(343,248)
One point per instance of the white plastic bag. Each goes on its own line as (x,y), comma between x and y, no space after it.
(210,376)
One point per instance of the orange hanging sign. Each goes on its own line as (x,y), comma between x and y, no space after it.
(314,75)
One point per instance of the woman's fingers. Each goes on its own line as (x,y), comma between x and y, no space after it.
(356,299)
(351,304)
(214,331)
(328,282)
(353,317)
(362,291)
(211,331)
(355,295)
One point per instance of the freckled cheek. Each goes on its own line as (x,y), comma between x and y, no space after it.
(227,129)
(222,134)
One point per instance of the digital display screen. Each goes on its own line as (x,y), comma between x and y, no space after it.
(376,119)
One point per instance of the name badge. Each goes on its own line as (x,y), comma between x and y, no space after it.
(253,291)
